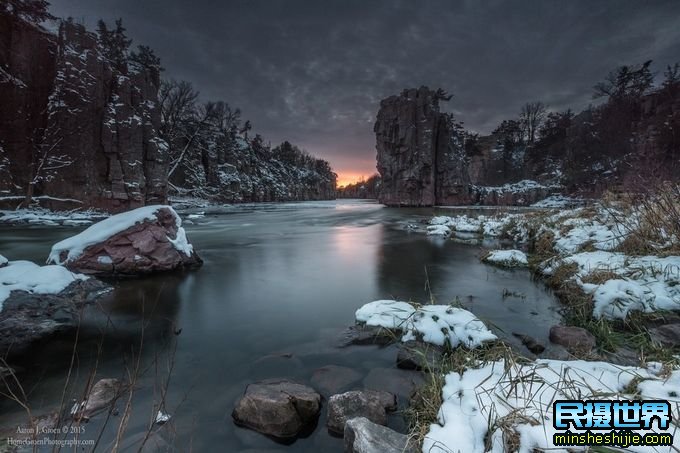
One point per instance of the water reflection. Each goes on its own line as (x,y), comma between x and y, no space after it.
(277,285)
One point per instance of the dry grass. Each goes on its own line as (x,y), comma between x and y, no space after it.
(426,402)
(650,218)
(599,277)
(561,275)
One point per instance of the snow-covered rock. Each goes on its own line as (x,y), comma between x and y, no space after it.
(144,240)
(507,258)
(31,278)
(436,324)
(37,301)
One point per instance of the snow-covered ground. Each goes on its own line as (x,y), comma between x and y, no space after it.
(39,216)
(28,276)
(436,324)
(101,231)
(490,403)
(588,238)
(516,400)
(517,187)
(558,201)
(507,258)
(644,283)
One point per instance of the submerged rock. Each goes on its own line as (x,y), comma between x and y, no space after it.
(372,404)
(397,381)
(416,355)
(530,343)
(102,395)
(363,436)
(575,339)
(142,241)
(332,379)
(281,365)
(278,408)
(366,335)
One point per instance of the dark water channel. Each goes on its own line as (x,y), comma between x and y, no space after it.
(279,283)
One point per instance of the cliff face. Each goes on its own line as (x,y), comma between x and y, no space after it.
(72,124)
(407,135)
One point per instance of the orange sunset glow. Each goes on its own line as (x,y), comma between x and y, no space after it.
(348,177)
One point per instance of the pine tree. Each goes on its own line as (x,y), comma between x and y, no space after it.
(626,83)
(145,58)
(114,44)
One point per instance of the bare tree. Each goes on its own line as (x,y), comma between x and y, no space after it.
(531,118)
(45,161)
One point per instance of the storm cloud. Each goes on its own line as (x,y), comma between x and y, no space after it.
(313,72)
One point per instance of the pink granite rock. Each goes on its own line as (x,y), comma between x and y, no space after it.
(143,241)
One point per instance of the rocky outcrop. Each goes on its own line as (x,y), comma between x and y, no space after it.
(425,158)
(363,436)
(407,131)
(86,128)
(142,241)
(279,408)
(372,404)
(27,317)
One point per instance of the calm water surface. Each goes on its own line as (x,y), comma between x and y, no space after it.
(279,283)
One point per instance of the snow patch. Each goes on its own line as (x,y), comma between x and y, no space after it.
(436,324)
(523,396)
(29,277)
(104,259)
(644,283)
(507,258)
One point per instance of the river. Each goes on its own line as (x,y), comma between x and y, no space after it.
(279,284)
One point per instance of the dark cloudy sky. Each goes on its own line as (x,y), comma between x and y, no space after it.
(314,71)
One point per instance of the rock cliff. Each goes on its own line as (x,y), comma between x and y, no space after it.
(426,158)
(407,132)
(72,124)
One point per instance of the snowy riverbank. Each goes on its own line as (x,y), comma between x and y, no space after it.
(616,269)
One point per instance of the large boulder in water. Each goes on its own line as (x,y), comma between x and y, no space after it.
(278,408)
(141,241)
